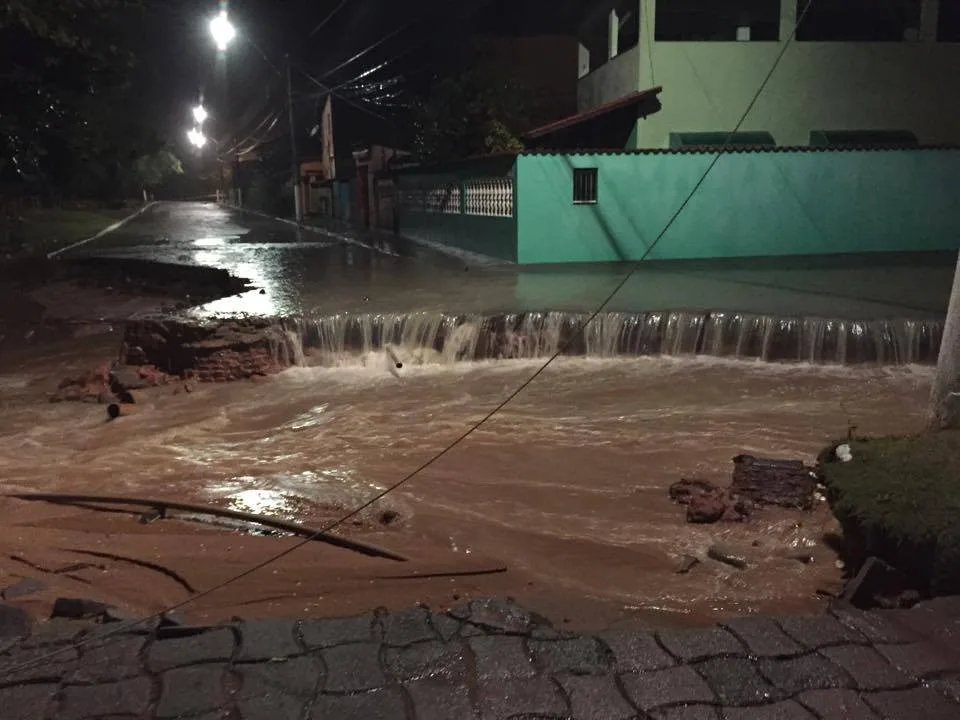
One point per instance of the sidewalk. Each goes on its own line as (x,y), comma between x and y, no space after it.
(495,660)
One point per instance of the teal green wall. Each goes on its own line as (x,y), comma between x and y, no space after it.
(492,236)
(751,204)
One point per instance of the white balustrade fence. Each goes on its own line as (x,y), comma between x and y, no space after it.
(491,197)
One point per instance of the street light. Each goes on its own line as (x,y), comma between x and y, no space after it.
(200,114)
(222,30)
(197,138)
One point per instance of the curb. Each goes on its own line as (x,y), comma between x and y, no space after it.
(107,230)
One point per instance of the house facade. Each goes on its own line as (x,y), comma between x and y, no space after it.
(855,65)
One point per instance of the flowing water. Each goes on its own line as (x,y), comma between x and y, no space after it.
(568,483)
(535,335)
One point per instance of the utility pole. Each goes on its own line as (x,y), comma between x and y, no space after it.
(945,398)
(297,205)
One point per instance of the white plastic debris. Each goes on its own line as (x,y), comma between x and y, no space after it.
(843,453)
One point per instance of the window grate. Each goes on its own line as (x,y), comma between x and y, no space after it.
(584,186)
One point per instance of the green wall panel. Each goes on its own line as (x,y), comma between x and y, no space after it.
(750,205)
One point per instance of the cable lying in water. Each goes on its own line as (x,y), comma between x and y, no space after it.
(121,627)
(164,505)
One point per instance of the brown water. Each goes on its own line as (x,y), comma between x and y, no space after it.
(567,484)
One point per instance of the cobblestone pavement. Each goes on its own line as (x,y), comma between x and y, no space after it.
(494,660)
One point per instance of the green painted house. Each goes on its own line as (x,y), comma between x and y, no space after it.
(850,147)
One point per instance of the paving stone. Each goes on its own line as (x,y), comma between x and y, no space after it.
(687,712)
(191,690)
(763,637)
(596,698)
(949,687)
(298,677)
(426,660)
(408,627)
(674,686)
(737,682)
(26,702)
(867,667)
(919,660)
(916,704)
(500,616)
(269,707)
(787,710)
(501,658)
(837,705)
(636,651)
(810,672)
(386,704)
(579,656)
(440,700)
(691,645)
(211,646)
(128,697)
(37,664)
(515,698)
(116,659)
(447,627)
(352,668)
(338,631)
(267,640)
(873,625)
(817,631)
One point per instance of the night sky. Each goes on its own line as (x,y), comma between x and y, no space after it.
(179,62)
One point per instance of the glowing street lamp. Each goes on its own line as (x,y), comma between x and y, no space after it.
(222,30)
(197,138)
(200,114)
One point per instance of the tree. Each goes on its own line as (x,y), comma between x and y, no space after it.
(473,109)
(945,398)
(67,66)
(150,171)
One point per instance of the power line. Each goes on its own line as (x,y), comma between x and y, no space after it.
(121,627)
(327,19)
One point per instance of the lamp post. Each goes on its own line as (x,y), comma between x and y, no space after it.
(224,32)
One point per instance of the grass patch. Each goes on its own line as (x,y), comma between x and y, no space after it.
(899,499)
(42,231)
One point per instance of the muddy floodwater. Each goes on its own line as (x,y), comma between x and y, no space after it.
(567,484)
